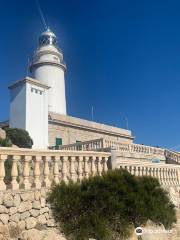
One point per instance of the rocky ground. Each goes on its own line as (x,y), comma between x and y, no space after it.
(13,233)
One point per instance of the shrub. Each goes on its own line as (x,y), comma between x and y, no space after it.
(109,207)
(19,137)
(5,142)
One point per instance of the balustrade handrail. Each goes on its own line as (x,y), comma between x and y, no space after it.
(36,168)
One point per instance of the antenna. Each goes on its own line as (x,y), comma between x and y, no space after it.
(92,112)
(41,14)
(127,125)
(27,69)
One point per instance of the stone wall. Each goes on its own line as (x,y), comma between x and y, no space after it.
(27,209)
(72,129)
(25,212)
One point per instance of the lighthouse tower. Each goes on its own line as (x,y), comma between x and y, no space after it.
(48,67)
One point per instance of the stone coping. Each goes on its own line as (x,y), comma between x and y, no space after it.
(28,80)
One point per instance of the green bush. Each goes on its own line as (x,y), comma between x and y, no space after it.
(19,137)
(109,207)
(5,142)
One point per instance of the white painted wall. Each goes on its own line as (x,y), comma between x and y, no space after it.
(29,111)
(17,118)
(47,67)
(53,76)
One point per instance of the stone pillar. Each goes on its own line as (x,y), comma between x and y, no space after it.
(37,183)
(14,173)
(26,184)
(2,172)
(72,169)
(46,171)
(80,170)
(86,168)
(64,168)
(56,170)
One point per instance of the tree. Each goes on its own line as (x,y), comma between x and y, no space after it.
(19,137)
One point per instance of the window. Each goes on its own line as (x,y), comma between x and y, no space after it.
(58,141)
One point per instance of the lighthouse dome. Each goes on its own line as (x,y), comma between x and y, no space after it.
(47,38)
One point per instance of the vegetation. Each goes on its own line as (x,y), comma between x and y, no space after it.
(5,142)
(109,207)
(19,137)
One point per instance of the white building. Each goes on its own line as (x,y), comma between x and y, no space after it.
(38,104)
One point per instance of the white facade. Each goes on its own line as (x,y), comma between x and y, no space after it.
(29,110)
(48,67)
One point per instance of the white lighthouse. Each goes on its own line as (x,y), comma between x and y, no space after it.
(48,67)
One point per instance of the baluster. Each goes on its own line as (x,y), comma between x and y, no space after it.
(99,166)
(2,172)
(26,184)
(93,167)
(37,183)
(140,171)
(132,170)
(56,170)
(86,167)
(105,167)
(64,168)
(80,170)
(167,176)
(72,169)
(14,173)
(143,171)
(135,171)
(46,171)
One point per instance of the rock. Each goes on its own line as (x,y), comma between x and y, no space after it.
(4,218)
(27,196)
(43,202)
(43,192)
(52,234)
(2,134)
(8,200)
(4,233)
(24,206)
(34,212)
(15,217)
(17,200)
(14,230)
(21,224)
(1,197)
(30,222)
(51,223)
(37,195)
(36,205)
(44,210)
(25,215)
(13,210)
(46,215)
(32,234)
(3,209)
(41,219)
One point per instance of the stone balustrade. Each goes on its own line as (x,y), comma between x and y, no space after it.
(36,168)
(92,145)
(104,144)
(172,157)
(133,148)
(167,174)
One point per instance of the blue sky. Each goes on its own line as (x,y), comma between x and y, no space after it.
(123,57)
